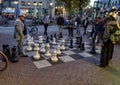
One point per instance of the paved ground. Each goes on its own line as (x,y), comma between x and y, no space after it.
(80,72)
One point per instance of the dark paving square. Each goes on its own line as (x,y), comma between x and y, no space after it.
(76,56)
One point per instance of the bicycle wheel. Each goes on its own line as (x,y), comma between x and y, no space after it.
(34,30)
(3,61)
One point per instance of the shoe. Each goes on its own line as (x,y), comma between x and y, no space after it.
(14,60)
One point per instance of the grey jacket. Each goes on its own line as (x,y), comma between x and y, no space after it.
(18,30)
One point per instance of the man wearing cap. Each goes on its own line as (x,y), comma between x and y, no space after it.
(18,34)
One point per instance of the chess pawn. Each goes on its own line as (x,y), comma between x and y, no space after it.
(40,39)
(47,39)
(32,40)
(82,46)
(36,56)
(55,35)
(42,50)
(71,43)
(14,55)
(54,41)
(29,48)
(48,54)
(60,35)
(58,50)
(63,45)
(51,37)
(54,58)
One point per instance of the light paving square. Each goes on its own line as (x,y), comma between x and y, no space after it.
(66,58)
(84,54)
(42,64)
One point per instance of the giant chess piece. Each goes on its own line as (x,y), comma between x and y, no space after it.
(60,35)
(6,51)
(40,39)
(80,42)
(36,56)
(29,48)
(48,54)
(54,58)
(42,50)
(4,46)
(14,55)
(54,41)
(47,39)
(71,43)
(63,45)
(55,35)
(58,50)
(93,49)
(82,46)
(51,38)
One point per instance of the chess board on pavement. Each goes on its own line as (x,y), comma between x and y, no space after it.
(67,55)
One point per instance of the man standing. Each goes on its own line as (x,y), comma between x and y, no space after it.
(60,23)
(18,34)
(107,45)
(46,21)
(86,23)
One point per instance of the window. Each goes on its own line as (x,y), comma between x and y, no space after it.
(23,3)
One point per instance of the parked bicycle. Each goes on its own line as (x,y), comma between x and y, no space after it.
(3,61)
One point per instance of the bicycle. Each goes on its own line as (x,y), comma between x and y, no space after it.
(33,30)
(3,61)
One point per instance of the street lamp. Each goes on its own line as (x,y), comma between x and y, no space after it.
(51,10)
(35,9)
(40,9)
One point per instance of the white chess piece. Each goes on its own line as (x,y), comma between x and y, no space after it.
(40,39)
(58,50)
(36,56)
(42,50)
(54,41)
(63,45)
(29,48)
(48,54)
(54,58)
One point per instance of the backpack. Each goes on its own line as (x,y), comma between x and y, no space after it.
(115,36)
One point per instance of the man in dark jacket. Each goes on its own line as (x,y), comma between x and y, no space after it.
(85,24)
(60,23)
(107,45)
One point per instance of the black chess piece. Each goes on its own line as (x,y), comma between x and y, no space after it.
(60,35)
(6,50)
(14,55)
(80,41)
(47,39)
(51,38)
(71,43)
(8,53)
(55,35)
(93,49)
(4,46)
(82,46)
